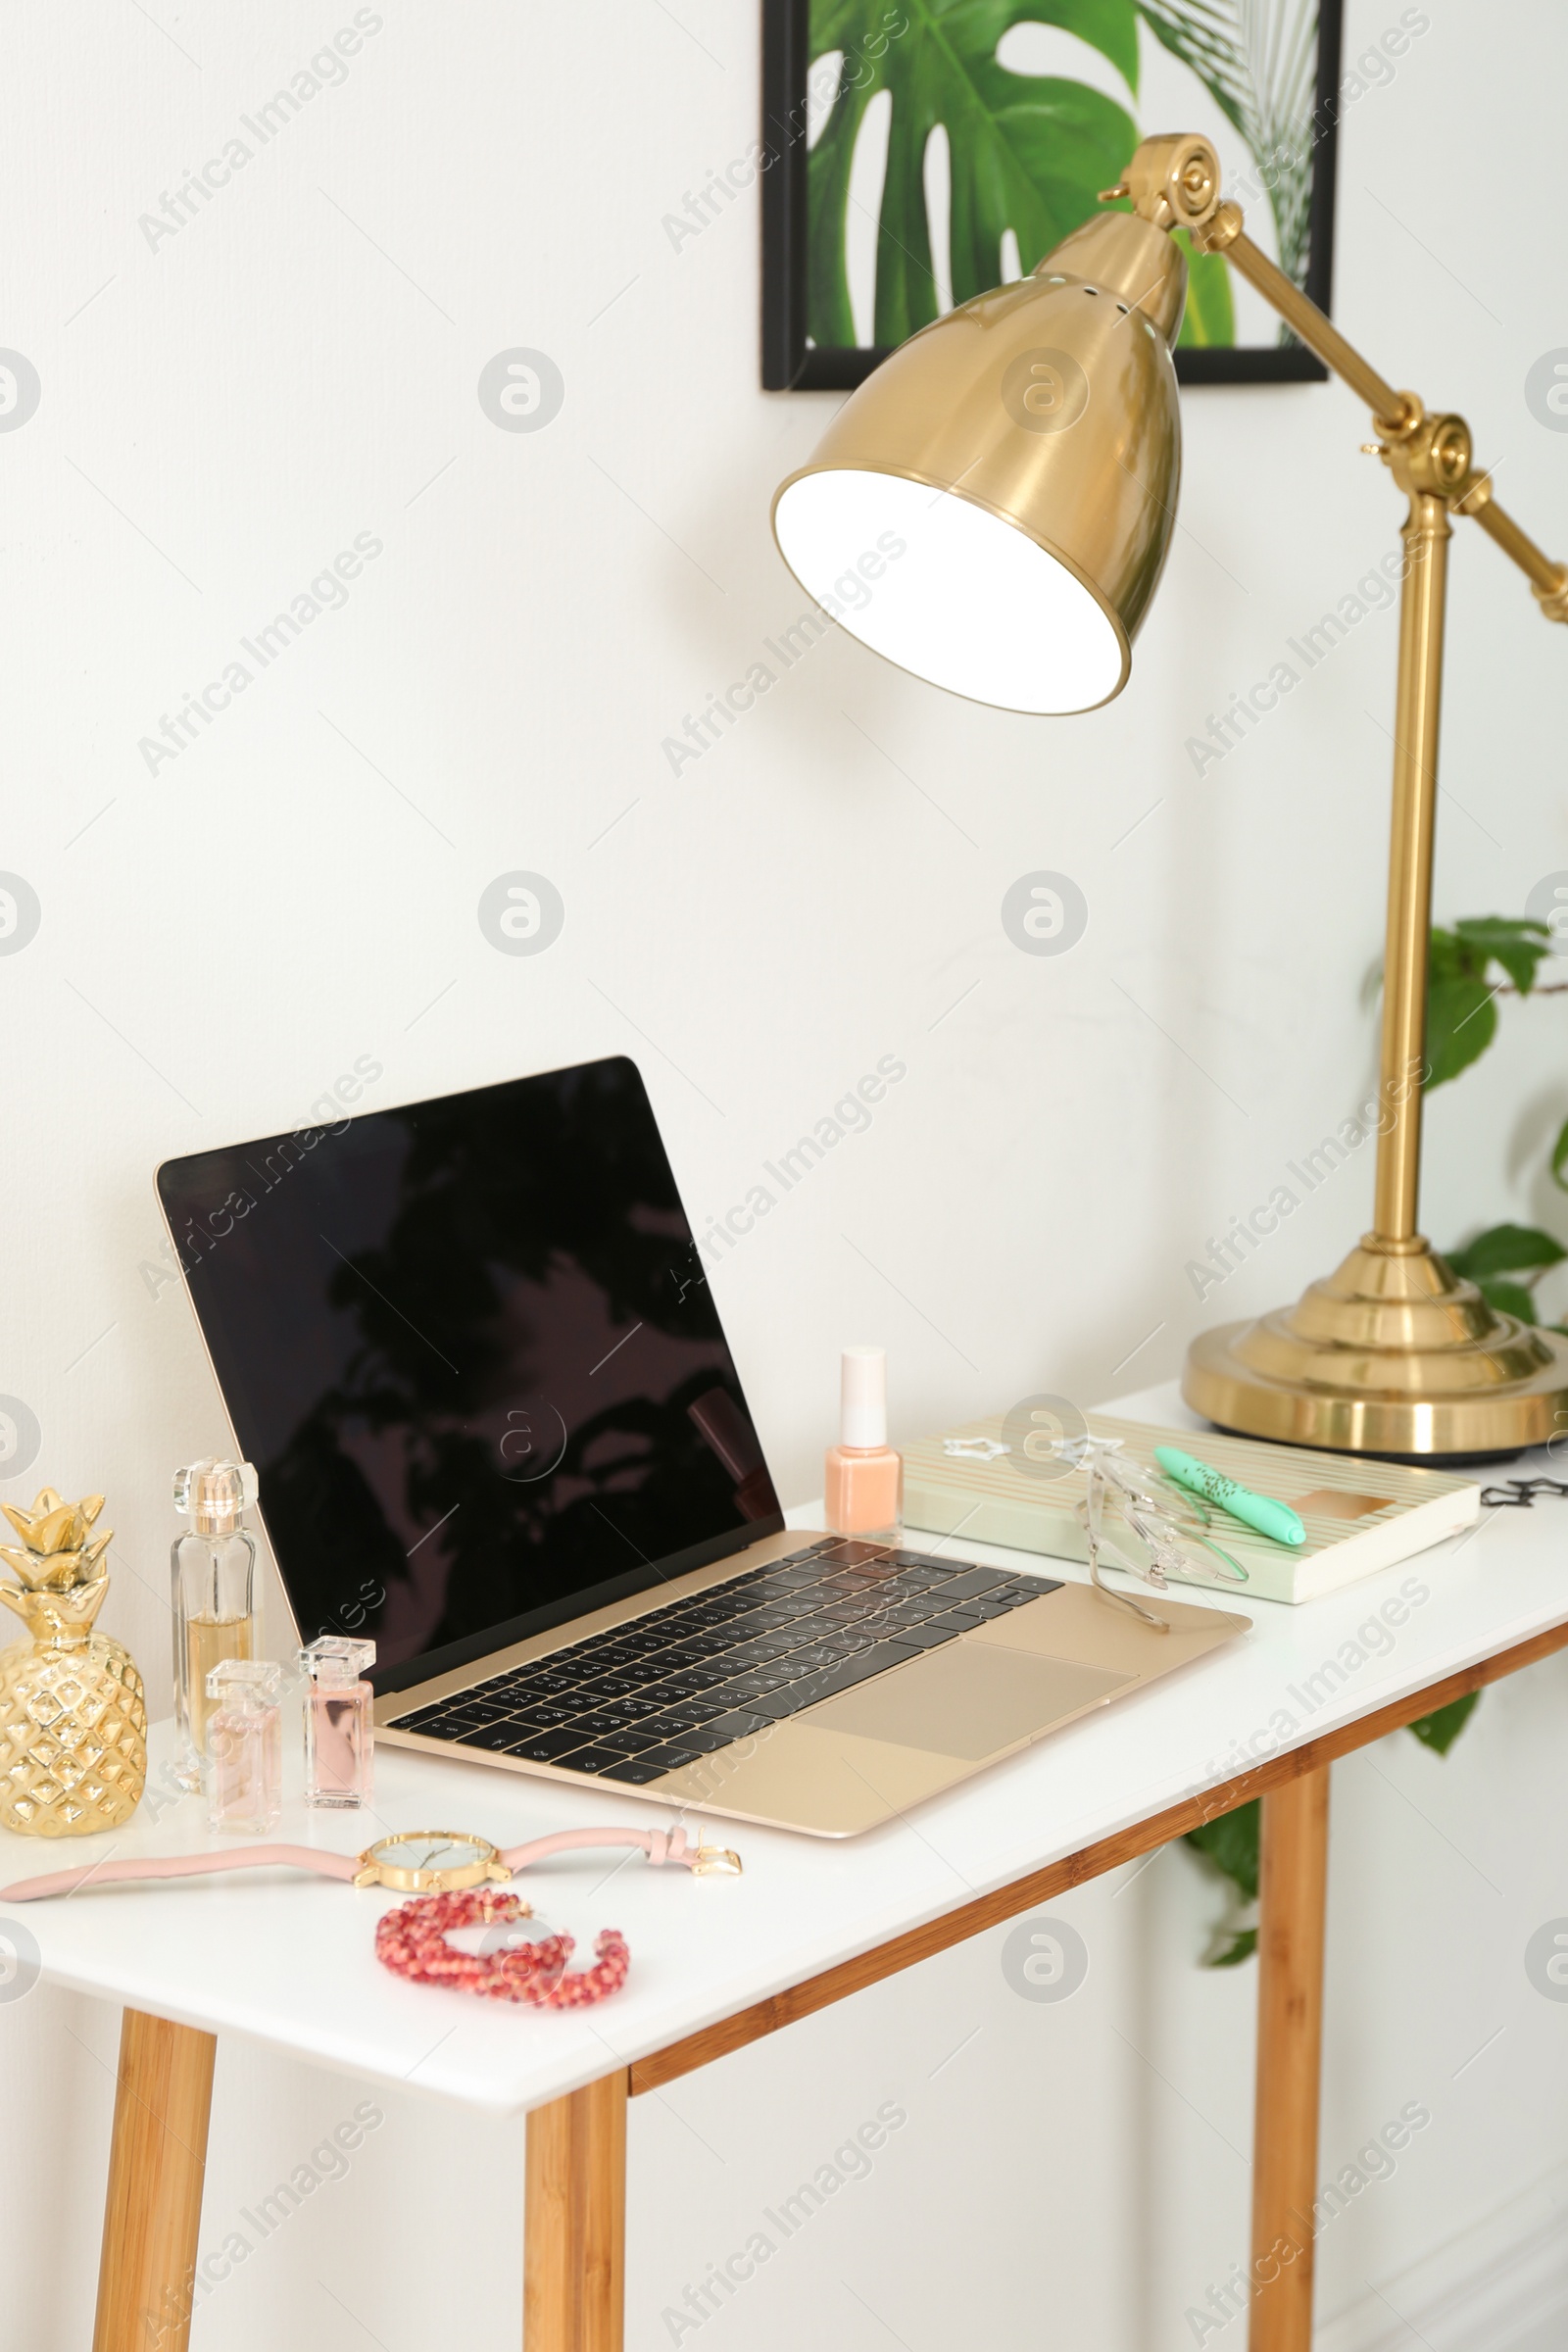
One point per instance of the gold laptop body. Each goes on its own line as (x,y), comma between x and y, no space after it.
(850,1762)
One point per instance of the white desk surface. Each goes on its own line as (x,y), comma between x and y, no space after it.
(289,1961)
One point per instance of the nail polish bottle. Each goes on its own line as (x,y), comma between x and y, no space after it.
(864,1484)
(244,1745)
(339,1741)
(214,1595)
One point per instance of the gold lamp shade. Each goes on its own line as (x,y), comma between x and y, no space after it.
(1005,482)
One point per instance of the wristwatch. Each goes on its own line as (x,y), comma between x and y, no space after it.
(410,1861)
(429,1862)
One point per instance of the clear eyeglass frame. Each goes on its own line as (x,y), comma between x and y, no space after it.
(1141,1531)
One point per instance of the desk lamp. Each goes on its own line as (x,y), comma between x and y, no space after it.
(1026,449)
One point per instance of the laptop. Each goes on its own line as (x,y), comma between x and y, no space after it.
(472,1349)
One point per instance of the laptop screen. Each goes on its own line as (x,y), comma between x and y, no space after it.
(471,1347)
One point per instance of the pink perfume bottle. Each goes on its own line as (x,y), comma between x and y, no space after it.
(864,1476)
(244,1745)
(339,1738)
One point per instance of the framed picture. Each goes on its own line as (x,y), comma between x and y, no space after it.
(915,152)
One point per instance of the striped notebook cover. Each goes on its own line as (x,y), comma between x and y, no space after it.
(1359,1515)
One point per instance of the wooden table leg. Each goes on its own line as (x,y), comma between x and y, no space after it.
(157,2162)
(574,2222)
(1290,2038)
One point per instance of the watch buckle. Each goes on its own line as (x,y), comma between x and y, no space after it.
(715,1861)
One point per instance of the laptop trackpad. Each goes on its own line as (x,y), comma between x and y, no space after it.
(968,1699)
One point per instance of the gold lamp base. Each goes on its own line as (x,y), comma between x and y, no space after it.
(1392,1355)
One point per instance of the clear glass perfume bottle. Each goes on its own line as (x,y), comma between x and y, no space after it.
(864,1476)
(339,1741)
(214,1596)
(244,1744)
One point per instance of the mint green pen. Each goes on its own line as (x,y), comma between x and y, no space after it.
(1274,1519)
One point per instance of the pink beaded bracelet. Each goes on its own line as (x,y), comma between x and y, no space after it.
(412,1942)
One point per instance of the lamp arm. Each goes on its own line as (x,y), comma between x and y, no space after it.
(1429,455)
(1549,580)
(1224,233)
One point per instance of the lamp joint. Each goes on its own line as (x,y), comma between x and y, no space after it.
(1407,421)
(1431,459)
(1173,182)
(1553,602)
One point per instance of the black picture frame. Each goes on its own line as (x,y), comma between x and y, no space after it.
(791,364)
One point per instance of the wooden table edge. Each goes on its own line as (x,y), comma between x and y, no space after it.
(867,1968)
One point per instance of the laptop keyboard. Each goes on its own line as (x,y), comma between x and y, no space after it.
(657,1692)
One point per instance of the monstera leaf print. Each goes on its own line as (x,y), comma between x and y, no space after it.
(1029,152)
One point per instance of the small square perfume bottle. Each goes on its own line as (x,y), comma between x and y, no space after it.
(339,1727)
(244,1745)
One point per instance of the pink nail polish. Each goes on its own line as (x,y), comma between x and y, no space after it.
(863,1479)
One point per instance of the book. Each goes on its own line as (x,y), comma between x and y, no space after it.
(996,1482)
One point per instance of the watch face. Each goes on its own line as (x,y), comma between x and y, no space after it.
(431,1850)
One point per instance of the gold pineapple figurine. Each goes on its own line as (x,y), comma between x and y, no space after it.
(72,1715)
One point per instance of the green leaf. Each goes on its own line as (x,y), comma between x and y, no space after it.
(1209,320)
(1442,1730)
(1516,942)
(1461,1023)
(1494,1259)
(1507,1250)
(1028,152)
(1241,1947)
(1559,1159)
(1508,1297)
(1231,1844)
(1450,957)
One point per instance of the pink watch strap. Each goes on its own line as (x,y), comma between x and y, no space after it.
(659,1846)
(183,1866)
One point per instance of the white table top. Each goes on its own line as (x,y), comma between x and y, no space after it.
(290,1961)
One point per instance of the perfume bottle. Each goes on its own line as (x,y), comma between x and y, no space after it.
(339,1746)
(864,1476)
(214,1595)
(244,1744)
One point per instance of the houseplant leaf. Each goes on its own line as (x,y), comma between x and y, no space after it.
(1507,1250)
(1559,1159)
(1501,1253)
(1516,942)
(1510,1298)
(1028,152)
(1442,1730)
(1231,1844)
(1461,1023)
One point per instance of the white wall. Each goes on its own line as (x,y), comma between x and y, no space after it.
(219,416)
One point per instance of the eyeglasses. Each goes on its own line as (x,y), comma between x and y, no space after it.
(1154,1529)
(1519,1494)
